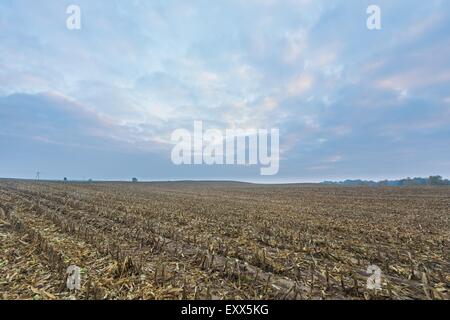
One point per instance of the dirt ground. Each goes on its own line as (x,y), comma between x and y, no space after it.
(206,240)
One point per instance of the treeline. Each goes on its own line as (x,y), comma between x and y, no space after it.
(430,181)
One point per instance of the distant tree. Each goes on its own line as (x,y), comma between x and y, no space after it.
(65,179)
(134,180)
(431,181)
(435,180)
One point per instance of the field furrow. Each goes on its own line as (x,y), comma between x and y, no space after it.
(240,241)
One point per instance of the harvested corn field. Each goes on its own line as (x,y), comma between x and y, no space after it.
(211,240)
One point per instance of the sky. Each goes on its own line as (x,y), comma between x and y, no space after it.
(102,102)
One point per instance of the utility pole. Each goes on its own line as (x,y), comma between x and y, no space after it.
(38,175)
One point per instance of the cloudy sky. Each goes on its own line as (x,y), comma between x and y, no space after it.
(102,102)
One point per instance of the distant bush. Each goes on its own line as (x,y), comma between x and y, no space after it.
(134,180)
(430,181)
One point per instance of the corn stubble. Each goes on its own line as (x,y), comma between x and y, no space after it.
(222,241)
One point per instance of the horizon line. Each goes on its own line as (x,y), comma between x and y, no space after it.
(211,180)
